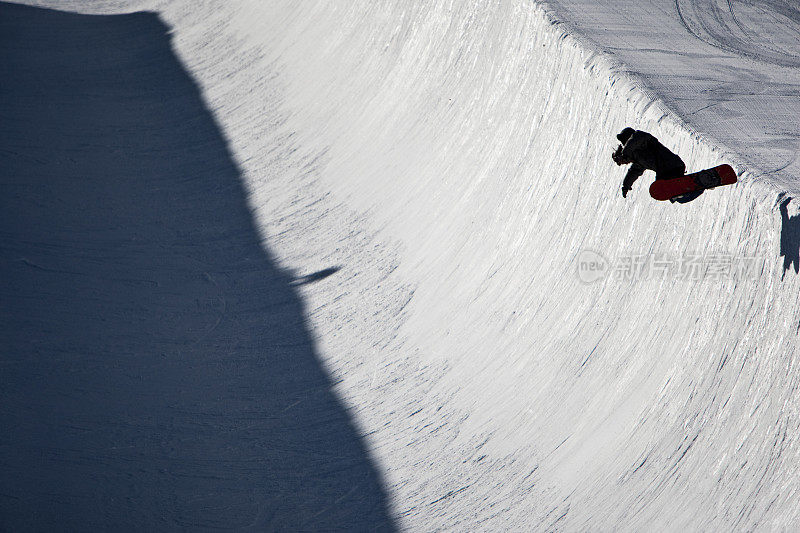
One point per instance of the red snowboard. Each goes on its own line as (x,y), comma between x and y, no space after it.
(705,179)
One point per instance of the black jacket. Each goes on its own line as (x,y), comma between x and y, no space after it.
(646,153)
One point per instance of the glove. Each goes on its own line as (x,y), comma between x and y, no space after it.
(625,191)
(618,158)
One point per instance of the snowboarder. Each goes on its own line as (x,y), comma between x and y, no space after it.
(646,153)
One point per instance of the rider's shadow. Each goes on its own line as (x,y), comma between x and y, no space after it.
(790,238)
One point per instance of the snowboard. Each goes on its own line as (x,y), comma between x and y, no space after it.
(699,181)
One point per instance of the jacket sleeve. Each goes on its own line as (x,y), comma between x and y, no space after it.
(633,174)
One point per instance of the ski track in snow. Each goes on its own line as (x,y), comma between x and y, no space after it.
(301,265)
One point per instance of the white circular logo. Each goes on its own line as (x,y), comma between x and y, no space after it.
(591,266)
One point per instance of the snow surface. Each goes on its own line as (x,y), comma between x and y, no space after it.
(302,265)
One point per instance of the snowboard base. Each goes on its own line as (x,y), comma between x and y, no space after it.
(698,181)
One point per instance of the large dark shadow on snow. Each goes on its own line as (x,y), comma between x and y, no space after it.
(157,372)
(790,238)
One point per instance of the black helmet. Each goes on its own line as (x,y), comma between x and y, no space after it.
(625,134)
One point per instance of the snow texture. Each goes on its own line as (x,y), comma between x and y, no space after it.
(358,265)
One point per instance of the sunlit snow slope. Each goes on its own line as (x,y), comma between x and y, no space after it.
(507,343)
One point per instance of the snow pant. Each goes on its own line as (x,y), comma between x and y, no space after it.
(675,170)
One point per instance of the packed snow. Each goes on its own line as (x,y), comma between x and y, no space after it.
(366,265)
